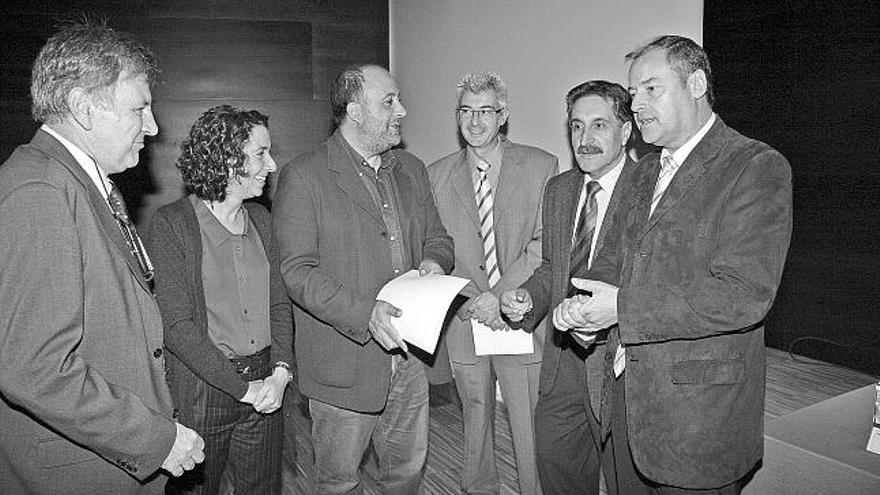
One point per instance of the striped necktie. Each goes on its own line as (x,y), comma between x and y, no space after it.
(582,241)
(484,206)
(667,170)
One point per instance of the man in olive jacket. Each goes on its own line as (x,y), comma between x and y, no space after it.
(349,217)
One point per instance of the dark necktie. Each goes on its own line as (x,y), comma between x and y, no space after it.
(129,233)
(583,234)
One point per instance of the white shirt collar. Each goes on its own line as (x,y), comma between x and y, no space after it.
(681,154)
(608,180)
(88,165)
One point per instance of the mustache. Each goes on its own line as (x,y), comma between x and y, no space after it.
(589,149)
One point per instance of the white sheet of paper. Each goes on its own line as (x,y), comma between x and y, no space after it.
(424,301)
(874,440)
(488,341)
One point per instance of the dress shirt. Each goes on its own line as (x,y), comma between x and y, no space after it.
(92,169)
(603,197)
(377,179)
(493,157)
(235,275)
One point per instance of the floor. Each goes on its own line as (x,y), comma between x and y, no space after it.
(793,382)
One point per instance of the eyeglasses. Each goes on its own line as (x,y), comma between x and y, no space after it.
(482,113)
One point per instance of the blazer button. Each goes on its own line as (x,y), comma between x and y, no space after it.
(482,267)
(157,353)
(175,413)
(383,234)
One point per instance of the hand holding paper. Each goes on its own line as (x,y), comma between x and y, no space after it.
(422,301)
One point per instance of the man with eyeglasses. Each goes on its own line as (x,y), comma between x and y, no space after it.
(578,207)
(489,198)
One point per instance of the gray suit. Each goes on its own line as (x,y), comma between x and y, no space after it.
(517,224)
(571,377)
(85,406)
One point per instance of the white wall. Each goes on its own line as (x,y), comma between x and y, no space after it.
(541,49)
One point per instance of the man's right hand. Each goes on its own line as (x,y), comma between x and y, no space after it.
(382,328)
(187,451)
(515,304)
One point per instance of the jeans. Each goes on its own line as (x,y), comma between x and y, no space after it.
(399,434)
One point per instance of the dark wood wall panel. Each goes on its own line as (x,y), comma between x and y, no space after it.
(344,11)
(803,77)
(223,59)
(337,45)
(276,56)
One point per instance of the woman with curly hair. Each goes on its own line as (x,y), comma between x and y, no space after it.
(228,328)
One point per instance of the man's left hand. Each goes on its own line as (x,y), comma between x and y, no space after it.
(600,311)
(430,266)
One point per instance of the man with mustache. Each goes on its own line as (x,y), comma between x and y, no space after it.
(84,406)
(687,276)
(577,205)
(350,216)
(489,198)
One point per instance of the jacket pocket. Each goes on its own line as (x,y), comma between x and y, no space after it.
(56,452)
(708,372)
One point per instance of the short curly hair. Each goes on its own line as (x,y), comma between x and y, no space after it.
(480,82)
(213,148)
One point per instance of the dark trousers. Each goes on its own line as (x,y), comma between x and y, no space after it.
(624,478)
(567,432)
(235,433)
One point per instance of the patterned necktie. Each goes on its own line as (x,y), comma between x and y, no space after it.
(129,233)
(484,207)
(583,235)
(667,169)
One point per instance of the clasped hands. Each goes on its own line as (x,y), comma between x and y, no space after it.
(267,395)
(581,314)
(381,326)
(486,309)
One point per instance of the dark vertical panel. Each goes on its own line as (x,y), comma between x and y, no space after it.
(339,45)
(803,77)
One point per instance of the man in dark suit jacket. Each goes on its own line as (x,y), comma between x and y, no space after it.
(689,273)
(349,217)
(516,175)
(85,407)
(566,428)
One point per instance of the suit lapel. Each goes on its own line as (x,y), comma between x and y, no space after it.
(462,181)
(613,203)
(567,206)
(98,204)
(508,181)
(339,161)
(689,173)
